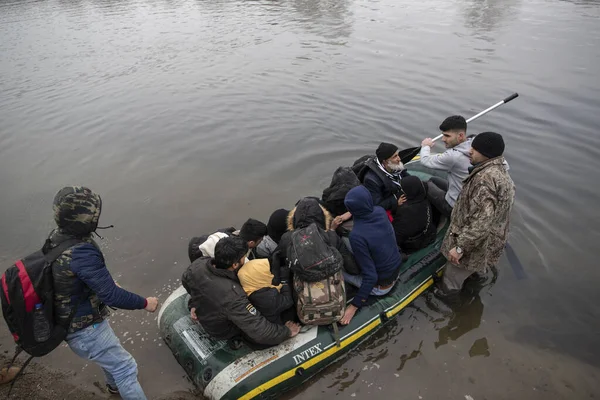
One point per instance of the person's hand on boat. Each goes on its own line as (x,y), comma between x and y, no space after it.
(401,200)
(454,256)
(193,314)
(152,304)
(293,327)
(427,142)
(348,314)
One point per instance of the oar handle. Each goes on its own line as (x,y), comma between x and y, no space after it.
(487,110)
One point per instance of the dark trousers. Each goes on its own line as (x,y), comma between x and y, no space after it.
(436,193)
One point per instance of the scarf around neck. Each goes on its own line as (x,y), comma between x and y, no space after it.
(395,177)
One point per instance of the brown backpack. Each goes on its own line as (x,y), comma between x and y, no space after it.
(318,280)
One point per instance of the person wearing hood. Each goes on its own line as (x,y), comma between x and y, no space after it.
(276,227)
(413,222)
(374,245)
(220,304)
(83,285)
(252,231)
(455,161)
(270,299)
(307,211)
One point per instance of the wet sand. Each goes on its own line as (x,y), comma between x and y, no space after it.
(40,382)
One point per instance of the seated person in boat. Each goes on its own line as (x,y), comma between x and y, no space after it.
(374,245)
(219,303)
(270,299)
(307,211)
(252,232)
(381,175)
(382,179)
(413,222)
(276,227)
(455,160)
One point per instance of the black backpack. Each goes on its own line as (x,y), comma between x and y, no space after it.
(28,293)
(311,258)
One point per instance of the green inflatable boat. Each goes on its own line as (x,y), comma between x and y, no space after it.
(223,371)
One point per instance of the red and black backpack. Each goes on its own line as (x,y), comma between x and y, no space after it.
(27,283)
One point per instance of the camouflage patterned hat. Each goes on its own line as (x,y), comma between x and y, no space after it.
(77,210)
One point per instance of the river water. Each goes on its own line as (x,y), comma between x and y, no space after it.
(191,115)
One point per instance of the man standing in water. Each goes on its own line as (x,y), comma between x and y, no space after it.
(479,224)
(443,193)
(84,287)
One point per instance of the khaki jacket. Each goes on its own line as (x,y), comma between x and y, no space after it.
(480,218)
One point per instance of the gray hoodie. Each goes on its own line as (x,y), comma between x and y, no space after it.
(455,161)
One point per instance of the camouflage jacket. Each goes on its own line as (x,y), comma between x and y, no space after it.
(69,290)
(480,218)
(81,273)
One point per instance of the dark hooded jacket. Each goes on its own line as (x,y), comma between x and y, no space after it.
(384,191)
(342,181)
(373,242)
(413,221)
(80,272)
(307,211)
(222,307)
(276,227)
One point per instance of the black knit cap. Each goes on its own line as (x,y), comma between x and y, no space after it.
(489,144)
(253,230)
(385,151)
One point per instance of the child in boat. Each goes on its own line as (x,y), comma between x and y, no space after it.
(270,300)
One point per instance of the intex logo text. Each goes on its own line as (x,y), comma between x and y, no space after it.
(308,353)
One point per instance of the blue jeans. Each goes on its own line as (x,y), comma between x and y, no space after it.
(356,280)
(99,344)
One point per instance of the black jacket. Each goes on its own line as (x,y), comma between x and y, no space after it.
(222,307)
(413,221)
(385,193)
(271,302)
(342,181)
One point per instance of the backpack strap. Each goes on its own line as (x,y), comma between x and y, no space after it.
(51,254)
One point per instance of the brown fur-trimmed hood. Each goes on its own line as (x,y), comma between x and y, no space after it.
(307,211)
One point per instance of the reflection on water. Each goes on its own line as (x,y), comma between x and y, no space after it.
(327,18)
(406,357)
(484,17)
(480,347)
(465,317)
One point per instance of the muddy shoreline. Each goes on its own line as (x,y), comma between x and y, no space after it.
(44,383)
